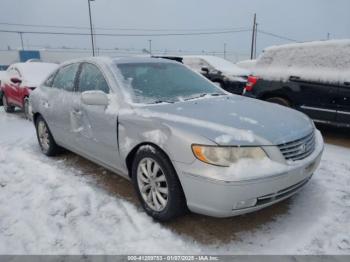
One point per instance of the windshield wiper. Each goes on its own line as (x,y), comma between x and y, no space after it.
(204,94)
(161,101)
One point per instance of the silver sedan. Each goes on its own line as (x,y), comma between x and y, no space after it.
(183,142)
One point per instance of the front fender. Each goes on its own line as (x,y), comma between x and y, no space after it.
(174,141)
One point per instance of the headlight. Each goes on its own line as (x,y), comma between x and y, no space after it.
(226,156)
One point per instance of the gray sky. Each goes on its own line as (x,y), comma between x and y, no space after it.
(297,19)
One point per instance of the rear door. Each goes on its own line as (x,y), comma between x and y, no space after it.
(317,100)
(97,135)
(57,103)
(343,101)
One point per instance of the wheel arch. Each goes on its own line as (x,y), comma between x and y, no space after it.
(268,95)
(35,117)
(131,155)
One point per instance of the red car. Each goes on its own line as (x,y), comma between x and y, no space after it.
(20,80)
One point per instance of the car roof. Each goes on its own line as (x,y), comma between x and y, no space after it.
(131,60)
(119,60)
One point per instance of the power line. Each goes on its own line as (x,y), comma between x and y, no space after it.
(128,35)
(132,50)
(125,29)
(278,36)
(191,31)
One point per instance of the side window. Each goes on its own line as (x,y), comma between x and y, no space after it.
(91,78)
(65,77)
(49,80)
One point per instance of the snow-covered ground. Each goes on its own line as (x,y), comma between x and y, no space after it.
(47,207)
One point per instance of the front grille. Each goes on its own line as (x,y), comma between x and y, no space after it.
(298,149)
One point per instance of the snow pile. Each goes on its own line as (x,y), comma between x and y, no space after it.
(47,208)
(326,61)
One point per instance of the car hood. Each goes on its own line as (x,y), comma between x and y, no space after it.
(233,120)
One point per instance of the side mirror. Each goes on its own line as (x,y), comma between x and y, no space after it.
(94,98)
(16,80)
(205,70)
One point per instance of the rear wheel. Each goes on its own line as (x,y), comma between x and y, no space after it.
(47,143)
(279,101)
(7,107)
(157,185)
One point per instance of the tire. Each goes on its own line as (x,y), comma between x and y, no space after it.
(46,141)
(163,186)
(8,108)
(279,101)
(26,109)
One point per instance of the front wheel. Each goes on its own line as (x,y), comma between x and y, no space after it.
(47,143)
(7,107)
(157,185)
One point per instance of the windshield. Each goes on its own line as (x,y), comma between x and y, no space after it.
(164,82)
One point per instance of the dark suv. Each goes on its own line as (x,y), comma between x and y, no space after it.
(311,77)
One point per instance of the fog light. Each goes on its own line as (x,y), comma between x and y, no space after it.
(245,203)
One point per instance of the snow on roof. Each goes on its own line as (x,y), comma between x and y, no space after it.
(326,61)
(247,64)
(220,64)
(34,73)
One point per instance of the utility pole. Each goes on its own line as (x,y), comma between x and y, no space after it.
(21,36)
(224,50)
(253,38)
(91,32)
(328,36)
(150,47)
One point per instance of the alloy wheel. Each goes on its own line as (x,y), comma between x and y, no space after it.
(43,134)
(152,184)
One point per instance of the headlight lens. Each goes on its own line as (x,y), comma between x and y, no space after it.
(226,156)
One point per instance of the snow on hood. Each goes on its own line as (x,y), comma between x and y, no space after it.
(325,61)
(34,73)
(233,120)
(223,65)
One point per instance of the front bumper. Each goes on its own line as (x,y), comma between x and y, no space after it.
(222,198)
